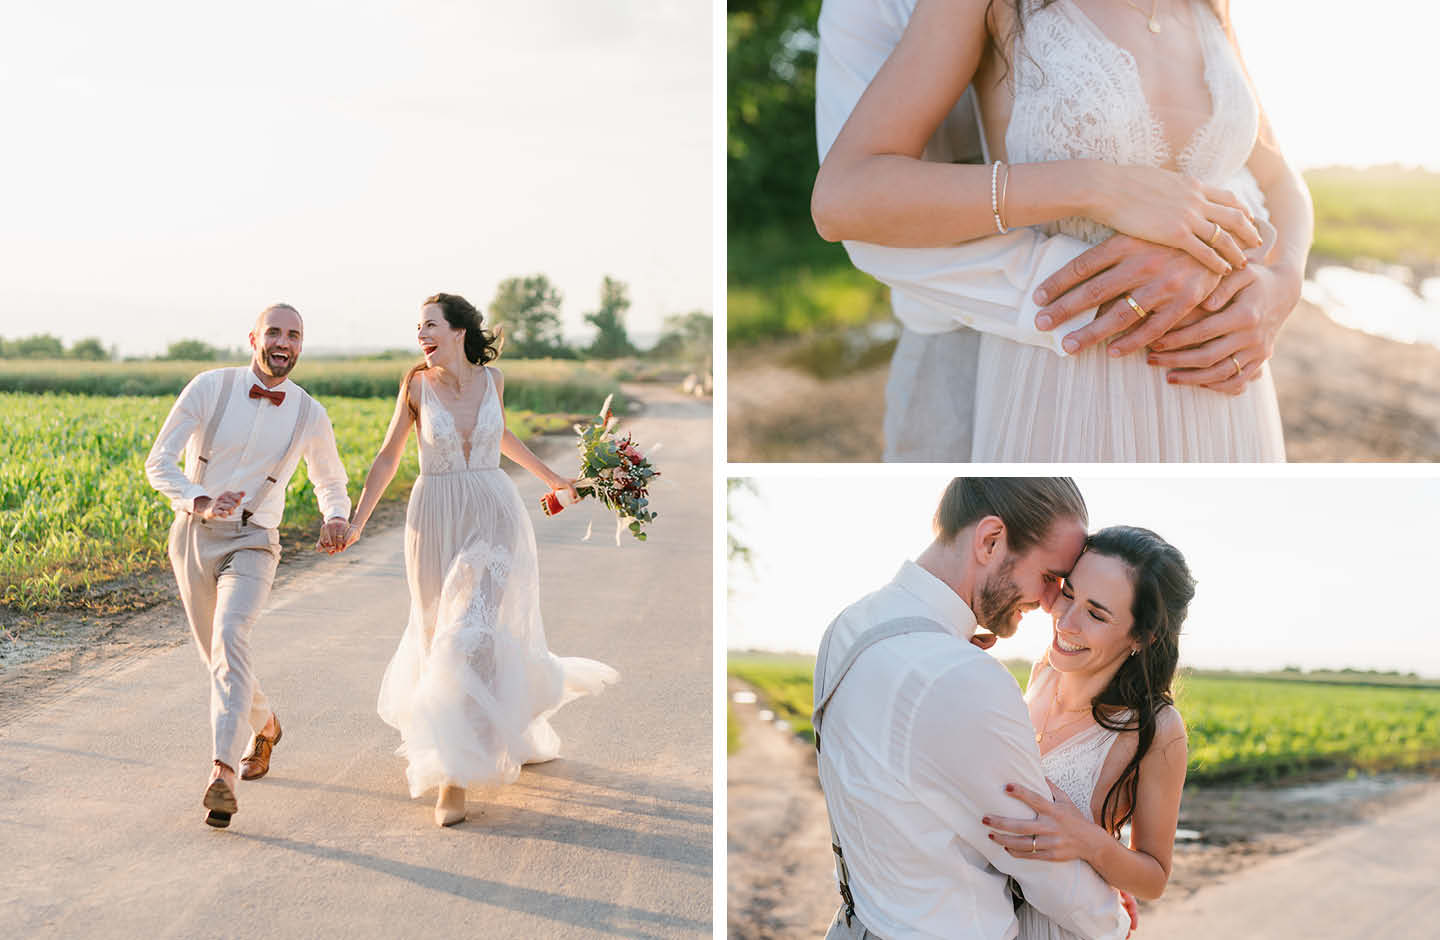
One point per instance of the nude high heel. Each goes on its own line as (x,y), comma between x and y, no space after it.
(449,805)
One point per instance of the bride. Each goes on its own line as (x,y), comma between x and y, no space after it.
(1111,742)
(1104,116)
(472,685)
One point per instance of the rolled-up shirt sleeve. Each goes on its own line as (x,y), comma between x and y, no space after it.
(986,284)
(162,465)
(971,736)
(327,473)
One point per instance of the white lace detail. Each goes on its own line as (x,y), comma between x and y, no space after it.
(1074,765)
(442,446)
(1079,96)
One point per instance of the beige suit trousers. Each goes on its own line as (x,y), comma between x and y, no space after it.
(855,930)
(224,570)
(930,397)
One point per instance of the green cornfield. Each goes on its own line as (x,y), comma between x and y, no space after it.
(1242,727)
(76,509)
(540,385)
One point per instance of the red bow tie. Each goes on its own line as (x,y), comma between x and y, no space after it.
(258,392)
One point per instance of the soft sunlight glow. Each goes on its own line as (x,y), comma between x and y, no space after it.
(171,168)
(1312,573)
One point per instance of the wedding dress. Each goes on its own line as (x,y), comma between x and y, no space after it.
(472,685)
(1079,96)
(1074,766)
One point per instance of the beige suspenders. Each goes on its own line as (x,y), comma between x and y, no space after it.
(207,441)
(825,686)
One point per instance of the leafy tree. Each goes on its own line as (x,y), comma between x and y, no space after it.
(40,346)
(685,336)
(192,350)
(90,348)
(529,310)
(611,340)
(771,159)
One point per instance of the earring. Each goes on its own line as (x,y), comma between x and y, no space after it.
(1134,651)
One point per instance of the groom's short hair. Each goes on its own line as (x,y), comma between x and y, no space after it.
(1028,506)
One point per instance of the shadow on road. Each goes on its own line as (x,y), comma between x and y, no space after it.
(603,916)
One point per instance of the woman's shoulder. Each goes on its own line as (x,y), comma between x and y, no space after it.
(1169,724)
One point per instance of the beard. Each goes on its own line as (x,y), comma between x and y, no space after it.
(276,369)
(998,607)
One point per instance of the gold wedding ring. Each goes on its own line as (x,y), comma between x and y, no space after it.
(1213,235)
(1238,370)
(1140,312)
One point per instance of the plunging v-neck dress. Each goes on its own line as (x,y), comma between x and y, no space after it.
(472,685)
(1078,95)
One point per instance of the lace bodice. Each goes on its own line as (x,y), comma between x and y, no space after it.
(1074,764)
(1078,95)
(442,446)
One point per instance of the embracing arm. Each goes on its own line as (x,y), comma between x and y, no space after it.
(387,461)
(1062,833)
(514,448)
(958,768)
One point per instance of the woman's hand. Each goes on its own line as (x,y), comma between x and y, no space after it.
(1168,208)
(1225,349)
(556,482)
(1059,833)
(352,535)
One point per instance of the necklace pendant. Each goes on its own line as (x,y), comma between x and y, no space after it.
(1154,25)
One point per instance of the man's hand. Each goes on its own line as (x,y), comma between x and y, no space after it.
(332,536)
(1165,282)
(221,507)
(1128,901)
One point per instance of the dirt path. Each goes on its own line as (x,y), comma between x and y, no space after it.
(103,769)
(1344,395)
(780,880)
(781,884)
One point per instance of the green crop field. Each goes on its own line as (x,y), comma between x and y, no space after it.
(1241,727)
(75,506)
(540,385)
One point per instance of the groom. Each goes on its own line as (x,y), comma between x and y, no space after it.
(244,431)
(929,397)
(918,731)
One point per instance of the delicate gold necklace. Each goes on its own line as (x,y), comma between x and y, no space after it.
(1054,707)
(1154,23)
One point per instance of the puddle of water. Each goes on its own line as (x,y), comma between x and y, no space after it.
(1362,786)
(1377,303)
(831,355)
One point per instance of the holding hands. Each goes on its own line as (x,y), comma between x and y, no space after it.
(332,536)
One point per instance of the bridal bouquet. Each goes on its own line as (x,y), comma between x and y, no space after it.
(614,471)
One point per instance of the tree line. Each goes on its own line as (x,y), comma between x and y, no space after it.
(526,308)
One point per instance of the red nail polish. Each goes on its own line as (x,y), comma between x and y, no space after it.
(1009,788)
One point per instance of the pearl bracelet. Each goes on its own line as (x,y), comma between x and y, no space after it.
(995,195)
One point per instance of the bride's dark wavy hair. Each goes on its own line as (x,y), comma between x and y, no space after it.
(1163,588)
(481,345)
(1018,7)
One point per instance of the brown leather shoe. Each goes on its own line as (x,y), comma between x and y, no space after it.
(256,762)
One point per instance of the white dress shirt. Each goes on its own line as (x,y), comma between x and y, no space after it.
(251,439)
(986,284)
(920,739)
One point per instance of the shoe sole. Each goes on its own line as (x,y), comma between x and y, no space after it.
(220,801)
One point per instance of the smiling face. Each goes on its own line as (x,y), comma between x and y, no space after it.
(1021,583)
(440,343)
(276,340)
(1093,620)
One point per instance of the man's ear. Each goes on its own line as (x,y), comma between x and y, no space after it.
(989,540)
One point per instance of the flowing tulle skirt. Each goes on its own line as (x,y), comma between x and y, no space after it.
(1032,405)
(472,685)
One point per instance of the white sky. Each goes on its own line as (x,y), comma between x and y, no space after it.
(1310,572)
(1345,82)
(172,167)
